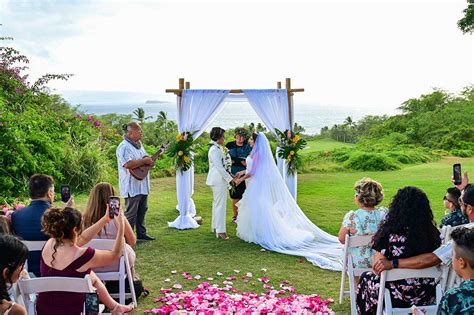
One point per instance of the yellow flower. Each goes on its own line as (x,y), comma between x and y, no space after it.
(296,139)
(292,152)
(226,150)
(180,153)
(179,137)
(186,159)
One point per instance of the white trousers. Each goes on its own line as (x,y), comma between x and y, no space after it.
(219,202)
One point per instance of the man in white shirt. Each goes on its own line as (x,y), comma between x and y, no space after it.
(444,253)
(130,155)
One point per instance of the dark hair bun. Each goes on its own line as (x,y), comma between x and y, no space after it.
(59,223)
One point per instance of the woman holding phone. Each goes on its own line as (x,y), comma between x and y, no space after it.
(63,256)
(97,208)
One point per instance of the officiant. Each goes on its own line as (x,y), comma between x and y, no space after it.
(238,150)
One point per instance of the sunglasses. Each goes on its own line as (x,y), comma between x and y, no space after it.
(446,198)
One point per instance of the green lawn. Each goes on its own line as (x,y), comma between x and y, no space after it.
(324,197)
(321,145)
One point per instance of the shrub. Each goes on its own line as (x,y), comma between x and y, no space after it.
(365,161)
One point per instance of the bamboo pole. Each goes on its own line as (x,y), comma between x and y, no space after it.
(180,95)
(289,93)
(233,91)
(188,85)
(278,85)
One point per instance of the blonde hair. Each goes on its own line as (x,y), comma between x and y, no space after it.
(97,203)
(369,191)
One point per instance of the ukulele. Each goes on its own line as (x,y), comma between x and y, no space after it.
(142,171)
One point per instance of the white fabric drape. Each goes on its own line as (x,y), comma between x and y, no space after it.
(272,107)
(198,109)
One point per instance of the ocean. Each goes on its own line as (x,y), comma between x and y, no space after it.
(310,117)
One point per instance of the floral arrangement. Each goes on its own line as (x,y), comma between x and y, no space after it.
(8,210)
(181,151)
(209,298)
(290,143)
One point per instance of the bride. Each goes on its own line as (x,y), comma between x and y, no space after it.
(270,217)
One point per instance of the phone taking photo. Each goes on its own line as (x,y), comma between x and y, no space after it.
(65,193)
(457,174)
(92,304)
(114,206)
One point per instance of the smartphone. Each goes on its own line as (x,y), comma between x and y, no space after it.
(65,193)
(457,174)
(114,206)
(92,304)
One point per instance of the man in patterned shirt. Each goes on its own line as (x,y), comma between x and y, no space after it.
(456,216)
(460,300)
(441,255)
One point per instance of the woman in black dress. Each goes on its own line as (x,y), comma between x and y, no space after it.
(408,230)
(238,150)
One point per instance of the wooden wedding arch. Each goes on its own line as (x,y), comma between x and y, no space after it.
(186,85)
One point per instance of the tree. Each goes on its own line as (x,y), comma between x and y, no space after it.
(349,122)
(140,115)
(260,128)
(162,116)
(298,128)
(466,24)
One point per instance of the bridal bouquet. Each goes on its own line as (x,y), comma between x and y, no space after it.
(290,143)
(181,151)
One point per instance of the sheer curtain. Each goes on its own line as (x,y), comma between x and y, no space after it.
(198,109)
(272,107)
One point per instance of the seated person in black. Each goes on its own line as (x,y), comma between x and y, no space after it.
(238,150)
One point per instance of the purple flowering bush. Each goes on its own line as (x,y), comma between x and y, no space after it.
(41,133)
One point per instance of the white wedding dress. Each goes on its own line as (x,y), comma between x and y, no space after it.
(270,217)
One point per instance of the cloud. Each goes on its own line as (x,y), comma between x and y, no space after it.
(37,26)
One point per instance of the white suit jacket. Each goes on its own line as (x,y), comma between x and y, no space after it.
(217,175)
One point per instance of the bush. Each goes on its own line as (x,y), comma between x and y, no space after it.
(463,153)
(364,161)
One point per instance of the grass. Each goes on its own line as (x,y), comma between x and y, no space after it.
(321,145)
(324,197)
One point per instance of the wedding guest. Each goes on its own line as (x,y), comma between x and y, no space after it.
(365,220)
(443,254)
(131,154)
(26,222)
(12,259)
(238,151)
(219,178)
(408,230)
(460,300)
(96,209)
(455,216)
(63,256)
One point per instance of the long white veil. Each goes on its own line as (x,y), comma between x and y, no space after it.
(269,216)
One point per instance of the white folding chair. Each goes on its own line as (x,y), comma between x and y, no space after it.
(348,268)
(115,272)
(30,287)
(33,246)
(399,274)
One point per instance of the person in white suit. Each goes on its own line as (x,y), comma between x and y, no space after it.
(219,179)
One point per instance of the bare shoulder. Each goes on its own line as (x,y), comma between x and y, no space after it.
(17,309)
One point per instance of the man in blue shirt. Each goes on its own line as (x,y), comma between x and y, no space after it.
(26,222)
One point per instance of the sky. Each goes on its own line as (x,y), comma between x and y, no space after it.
(343,53)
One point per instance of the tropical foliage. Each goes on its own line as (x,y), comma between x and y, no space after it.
(290,143)
(41,133)
(181,151)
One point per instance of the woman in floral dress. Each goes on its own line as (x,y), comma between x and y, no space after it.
(363,221)
(408,230)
